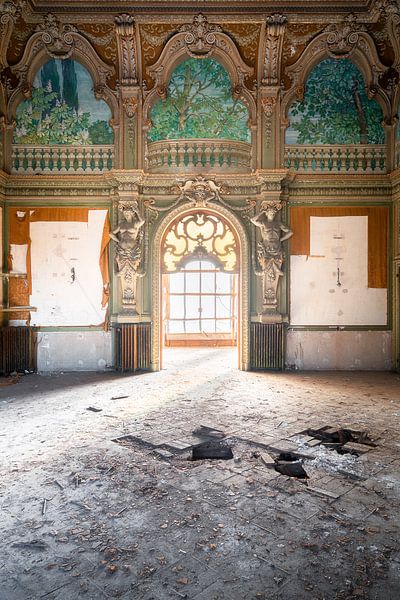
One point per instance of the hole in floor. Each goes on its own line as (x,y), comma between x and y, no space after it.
(211,450)
(289,464)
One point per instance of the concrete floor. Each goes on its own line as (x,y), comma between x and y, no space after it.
(86,517)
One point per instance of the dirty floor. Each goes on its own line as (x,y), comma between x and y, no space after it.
(99,500)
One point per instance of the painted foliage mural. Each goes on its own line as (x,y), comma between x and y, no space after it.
(335,108)
(199,104)
(63,108)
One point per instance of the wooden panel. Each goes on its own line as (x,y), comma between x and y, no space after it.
(378,222)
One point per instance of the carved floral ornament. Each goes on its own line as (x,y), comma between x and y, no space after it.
(200,36)
(57,37)
(343,37)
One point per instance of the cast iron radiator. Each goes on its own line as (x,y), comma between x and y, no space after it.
(267,346)
(17,349)
(133,347)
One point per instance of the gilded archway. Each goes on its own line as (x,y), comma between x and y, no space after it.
(244,270)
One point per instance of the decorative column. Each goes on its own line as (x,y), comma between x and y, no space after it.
(9,13)
(128,237)
(269,90)
(129,91)
(268,254)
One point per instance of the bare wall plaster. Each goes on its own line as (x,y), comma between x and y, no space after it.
(339,350)
(74,351)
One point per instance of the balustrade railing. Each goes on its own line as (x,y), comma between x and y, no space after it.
(62,159)
(200,155)
(336,159)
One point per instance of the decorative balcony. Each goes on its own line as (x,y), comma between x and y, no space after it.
(198,155)
(62,159)
(336,159)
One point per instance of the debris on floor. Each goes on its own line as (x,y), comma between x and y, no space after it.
(84,517)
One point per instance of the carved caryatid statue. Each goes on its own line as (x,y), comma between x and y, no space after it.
(128,237)
(270,252)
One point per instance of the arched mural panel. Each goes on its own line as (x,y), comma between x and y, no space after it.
(199,104)
(335,108)
(63,109)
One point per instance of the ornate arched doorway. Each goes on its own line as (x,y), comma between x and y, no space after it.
(200,255)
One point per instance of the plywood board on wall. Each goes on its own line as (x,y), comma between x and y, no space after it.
(378,222)
(64,251)
(66,277)
(331,270)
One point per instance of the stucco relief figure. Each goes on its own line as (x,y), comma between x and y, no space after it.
(270,251)
(128,237)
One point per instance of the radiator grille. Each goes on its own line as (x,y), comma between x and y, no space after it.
(267,346)
(133,347)
(17,349)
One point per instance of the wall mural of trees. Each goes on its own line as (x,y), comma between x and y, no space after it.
(63,108)
(335,108)
(199,104)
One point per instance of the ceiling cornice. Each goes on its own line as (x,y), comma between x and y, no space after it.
(288,7)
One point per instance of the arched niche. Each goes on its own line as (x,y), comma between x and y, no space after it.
(62,108)
(40,48)
(358,47)
(335,108)
(200,40)
(244,270)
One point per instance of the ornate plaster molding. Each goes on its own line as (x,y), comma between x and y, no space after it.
(275,30)
(56,37)
(127,51)
(389,13)
(10,11)
(268,104)
(200,37)
(130,105)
